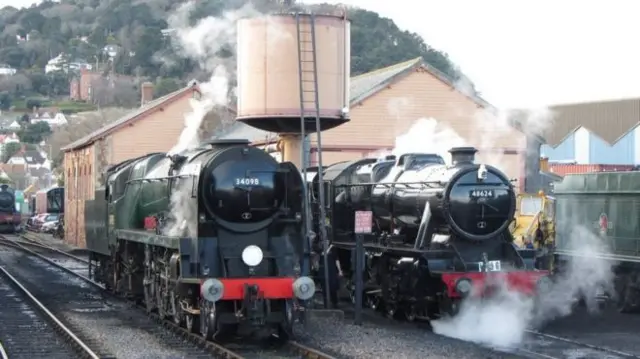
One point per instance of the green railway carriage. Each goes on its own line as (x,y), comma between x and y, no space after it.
(607,204)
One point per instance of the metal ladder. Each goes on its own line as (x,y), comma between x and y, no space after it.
(308,77)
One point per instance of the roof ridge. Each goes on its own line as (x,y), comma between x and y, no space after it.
(578,103)
(388,68)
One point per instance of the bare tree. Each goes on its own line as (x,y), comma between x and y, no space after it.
(81,125)
(114,91)
(15,82)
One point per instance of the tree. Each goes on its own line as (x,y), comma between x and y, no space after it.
(114,91)
(35,132)
(166,86)
(80,127)
(9,150)
(5,100)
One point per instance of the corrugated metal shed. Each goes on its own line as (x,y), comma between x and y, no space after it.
(609,120)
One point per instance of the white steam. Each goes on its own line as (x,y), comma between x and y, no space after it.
(502,321)
(210,42)
(428,136)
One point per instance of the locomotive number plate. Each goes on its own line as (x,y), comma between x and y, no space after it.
(482,193)
(492,266)
(247,181)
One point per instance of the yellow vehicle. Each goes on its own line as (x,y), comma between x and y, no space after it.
(534,226)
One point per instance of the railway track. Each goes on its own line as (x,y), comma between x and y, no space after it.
(290,349)
(537,345)
(24,318)
(543,345)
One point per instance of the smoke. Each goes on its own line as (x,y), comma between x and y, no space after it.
(211,42)
(502,320)
(428,136)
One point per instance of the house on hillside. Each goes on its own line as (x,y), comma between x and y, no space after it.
(59,63)
(154,127)
(6,70)
(52,117)
(385,103)
(33,159)
(595,133)
(87,84)
(15,126)
(80,85)
(6,139)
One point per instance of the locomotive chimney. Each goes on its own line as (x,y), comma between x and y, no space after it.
(461,155)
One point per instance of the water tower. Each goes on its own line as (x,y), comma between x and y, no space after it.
(293,77)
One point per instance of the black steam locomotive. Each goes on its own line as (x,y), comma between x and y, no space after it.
(211,237)
(439,233)
(10,217)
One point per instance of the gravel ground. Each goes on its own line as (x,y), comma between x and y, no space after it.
(395,340)
(120,330)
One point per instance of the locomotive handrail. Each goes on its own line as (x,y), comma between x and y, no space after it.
(159,179)
(387,183)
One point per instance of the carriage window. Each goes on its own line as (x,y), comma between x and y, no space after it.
(529,206)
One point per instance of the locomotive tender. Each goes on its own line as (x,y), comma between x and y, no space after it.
(440,233)
(211,237)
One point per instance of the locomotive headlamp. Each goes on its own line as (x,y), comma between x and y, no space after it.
(212,290)
(464,286)
(304,288)
(544,284)
(252,255)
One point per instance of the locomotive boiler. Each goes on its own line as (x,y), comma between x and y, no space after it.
(211,237)
(439,232)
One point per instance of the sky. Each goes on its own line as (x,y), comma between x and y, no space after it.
(530,53)
(525,53)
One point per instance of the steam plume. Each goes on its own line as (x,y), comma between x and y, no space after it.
(211,42)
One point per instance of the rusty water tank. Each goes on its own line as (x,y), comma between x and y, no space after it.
(268,72)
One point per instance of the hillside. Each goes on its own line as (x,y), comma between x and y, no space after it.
(135,40)
(92,31)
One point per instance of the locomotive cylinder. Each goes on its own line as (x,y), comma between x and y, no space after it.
(276,58)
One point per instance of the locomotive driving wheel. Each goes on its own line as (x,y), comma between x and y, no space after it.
(208,319)
(161,301)
(178,315)
(191,322)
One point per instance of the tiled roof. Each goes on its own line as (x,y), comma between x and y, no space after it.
(361,87)
(130,117)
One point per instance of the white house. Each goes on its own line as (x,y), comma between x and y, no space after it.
(6,70)
(31,158)
(58,119)
(59,63)
(14,126)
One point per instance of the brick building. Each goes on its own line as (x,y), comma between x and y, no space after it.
(154,127)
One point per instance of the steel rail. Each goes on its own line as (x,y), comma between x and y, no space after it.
(88,352)
(215,348)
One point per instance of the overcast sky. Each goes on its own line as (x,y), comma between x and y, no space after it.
(526,52)
(530,53)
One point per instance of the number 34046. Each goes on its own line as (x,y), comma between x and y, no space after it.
(251,181)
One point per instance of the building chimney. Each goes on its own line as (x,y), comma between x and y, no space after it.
(147,93)
(460,155)
(544,164)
